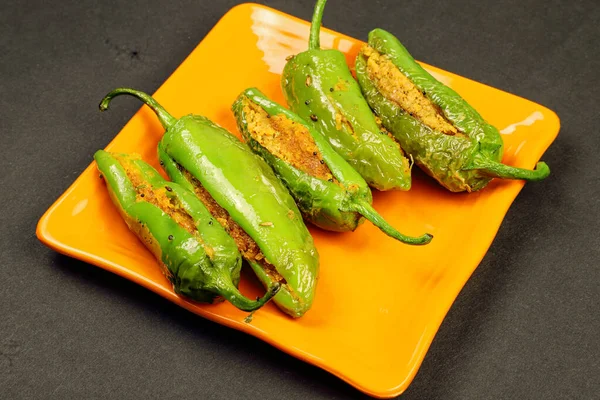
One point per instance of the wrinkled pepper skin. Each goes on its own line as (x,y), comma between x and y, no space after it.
(246,187)
(335,206)
(201,265)
(319,87)
(466,161)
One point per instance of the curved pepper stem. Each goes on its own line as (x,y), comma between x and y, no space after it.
(233,295)
(314,40)
(499,170)
(367,211)
(166,119)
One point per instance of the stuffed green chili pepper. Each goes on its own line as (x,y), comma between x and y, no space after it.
(241,191)
(197,256)
(319,87)
(446,137)
(328,191)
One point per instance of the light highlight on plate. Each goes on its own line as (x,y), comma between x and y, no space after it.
(530,120)
(277,44)
(445,79)
(79,207)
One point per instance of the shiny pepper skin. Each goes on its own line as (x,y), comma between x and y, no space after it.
(247,189)
(203,264)
(338,204)
(466,160)
(319,87)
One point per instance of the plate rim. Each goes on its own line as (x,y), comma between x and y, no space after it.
(46,238)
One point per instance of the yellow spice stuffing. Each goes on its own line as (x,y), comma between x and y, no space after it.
(245,244)
(158,197)
(395,86)
(286,140)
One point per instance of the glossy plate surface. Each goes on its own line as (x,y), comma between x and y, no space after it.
(379,303)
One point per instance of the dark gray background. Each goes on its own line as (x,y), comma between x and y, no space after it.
(525,326)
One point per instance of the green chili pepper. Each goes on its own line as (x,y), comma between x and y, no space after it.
(241,191)
(446,137)
(199,258)
(328,191)
(319,87)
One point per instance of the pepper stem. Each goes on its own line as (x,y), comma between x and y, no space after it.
(233,295)
(166,119)
(367,211)
(498,170)
(314,40)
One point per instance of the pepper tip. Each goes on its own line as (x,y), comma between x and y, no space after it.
(428,237)
(542,169)
(103,106)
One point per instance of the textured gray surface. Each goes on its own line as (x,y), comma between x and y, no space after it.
(525,326)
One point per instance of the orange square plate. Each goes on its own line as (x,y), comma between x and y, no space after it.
(379,303)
